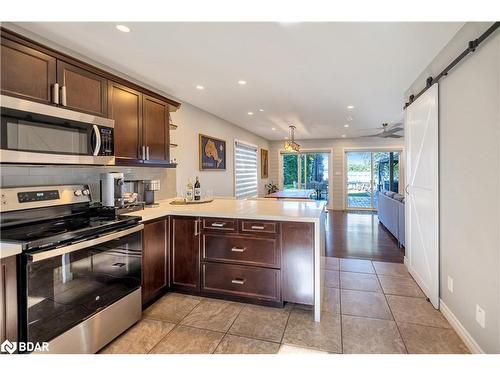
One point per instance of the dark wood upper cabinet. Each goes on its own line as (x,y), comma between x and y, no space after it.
(26,72)
(85,91)
(156,130)
(31,71)
(125,107)
(185,253)
(154,260)
(8,299)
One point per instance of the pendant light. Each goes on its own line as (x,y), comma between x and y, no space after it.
(290,144)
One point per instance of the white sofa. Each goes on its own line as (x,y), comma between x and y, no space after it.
(391,213)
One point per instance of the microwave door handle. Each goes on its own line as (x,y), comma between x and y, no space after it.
(83,245)
(97,146)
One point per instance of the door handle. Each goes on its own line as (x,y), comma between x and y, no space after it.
(406,190)
(218,225)
(63,96)
(84,244)
(147,152)
(238,281)
(97,146)
(143,156)
(258,227)
(196,228)
(238,249)
(55,93)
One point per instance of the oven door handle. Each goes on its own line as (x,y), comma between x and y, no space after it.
(97,146)
(82,245)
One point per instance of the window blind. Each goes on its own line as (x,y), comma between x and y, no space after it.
(245,171)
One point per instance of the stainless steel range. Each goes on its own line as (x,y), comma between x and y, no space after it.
(80,267)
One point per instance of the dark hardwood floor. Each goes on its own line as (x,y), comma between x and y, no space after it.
(360,235)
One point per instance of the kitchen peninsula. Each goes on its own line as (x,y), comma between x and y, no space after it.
(256,251)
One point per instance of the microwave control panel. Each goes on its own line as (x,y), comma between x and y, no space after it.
(106,141)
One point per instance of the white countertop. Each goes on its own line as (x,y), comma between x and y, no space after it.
(8,249)
(280,210)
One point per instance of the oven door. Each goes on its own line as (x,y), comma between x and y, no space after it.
(66,286)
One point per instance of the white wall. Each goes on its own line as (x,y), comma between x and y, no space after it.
(192,121)
(337,146)
(469,162)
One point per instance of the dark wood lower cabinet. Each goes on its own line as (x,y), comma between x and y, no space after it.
(297,264)
(252,261)
(246,250)
(243,281)
(185,253)
(8,299)
(154,260)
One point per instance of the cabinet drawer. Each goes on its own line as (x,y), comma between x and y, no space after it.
(228,225)
(244,281)
(242,249)
(249,226)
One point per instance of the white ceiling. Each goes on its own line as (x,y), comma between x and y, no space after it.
(305,74)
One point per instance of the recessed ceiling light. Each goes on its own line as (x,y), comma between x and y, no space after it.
(346,125)
(261,110)
(242,82)
(123,28)
(273,129)
(343,135)
(250,113)
(200,87)
(350,107)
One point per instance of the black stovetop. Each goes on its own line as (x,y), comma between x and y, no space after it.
(65,229)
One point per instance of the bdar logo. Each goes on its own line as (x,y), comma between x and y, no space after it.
(8,347)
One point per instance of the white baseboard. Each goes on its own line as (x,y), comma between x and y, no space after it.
(460,329)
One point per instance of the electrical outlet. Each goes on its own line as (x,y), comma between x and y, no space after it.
(450,284)
(480,316)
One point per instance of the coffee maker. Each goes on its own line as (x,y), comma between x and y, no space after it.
(148,188)
(112,189)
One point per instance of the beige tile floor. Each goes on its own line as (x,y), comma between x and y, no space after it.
(368,307)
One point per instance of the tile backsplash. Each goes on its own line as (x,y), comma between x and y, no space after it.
(60,175)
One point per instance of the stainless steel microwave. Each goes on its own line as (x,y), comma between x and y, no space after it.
(36,133)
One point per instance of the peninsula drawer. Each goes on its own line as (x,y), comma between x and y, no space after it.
(250,226)
(226,225)
(243,281)
(257,251)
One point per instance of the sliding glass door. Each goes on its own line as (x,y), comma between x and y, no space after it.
(368,173)
(306,170)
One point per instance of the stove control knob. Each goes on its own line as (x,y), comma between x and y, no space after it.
(86,192)
(78,193)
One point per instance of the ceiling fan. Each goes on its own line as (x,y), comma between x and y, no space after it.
(388,131)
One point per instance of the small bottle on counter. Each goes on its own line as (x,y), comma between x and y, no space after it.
(197,190)
(189,191)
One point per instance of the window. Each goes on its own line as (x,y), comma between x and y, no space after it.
(245,170)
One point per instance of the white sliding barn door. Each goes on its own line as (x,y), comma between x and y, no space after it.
(422,192)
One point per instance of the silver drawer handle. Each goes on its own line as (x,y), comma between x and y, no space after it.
(238,249)
(238,281)
(258,227)
(219,225)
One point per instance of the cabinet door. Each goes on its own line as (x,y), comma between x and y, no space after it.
(85,91)
(185,253)
(154,260)
(297,264)
(8,299)
(26,72)
(125,107)
(156,130)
